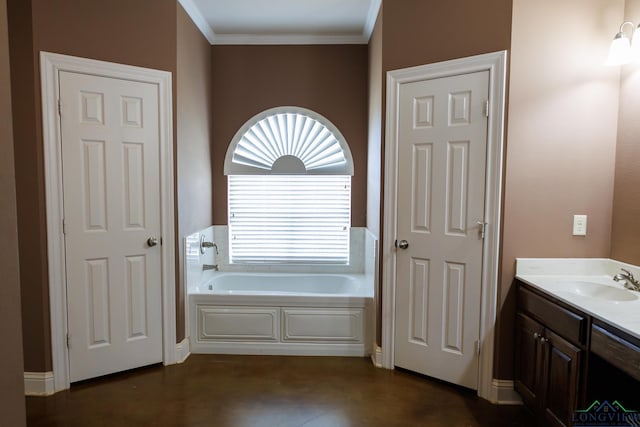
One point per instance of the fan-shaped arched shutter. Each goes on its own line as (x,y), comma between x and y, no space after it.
(289,190)
(288,140)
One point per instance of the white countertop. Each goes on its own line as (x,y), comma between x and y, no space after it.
(563,277)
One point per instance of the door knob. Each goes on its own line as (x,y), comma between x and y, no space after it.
(152,241)
(402,244)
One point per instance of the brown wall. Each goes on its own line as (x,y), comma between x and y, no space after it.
(418,32)
(141,33)
(560,142)
(194,119)
(29,189)
(12,406)
(331,80)
(625,233)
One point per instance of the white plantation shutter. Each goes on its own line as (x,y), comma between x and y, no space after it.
(289,218)
(289,186)
(288,132)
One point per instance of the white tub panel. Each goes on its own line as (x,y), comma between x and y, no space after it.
(322,325)
(238,323)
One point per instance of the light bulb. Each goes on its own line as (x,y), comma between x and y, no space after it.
(620,51)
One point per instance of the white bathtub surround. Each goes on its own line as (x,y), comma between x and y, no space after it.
(281,309)
(371,268)
(559,277)
(194,259)
(281,313)
(363,257)
(357,256)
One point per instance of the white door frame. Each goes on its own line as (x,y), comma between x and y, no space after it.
(51,65)
(495,63)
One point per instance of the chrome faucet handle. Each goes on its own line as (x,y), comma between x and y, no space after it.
(628,273)
(204,244)
(630,282)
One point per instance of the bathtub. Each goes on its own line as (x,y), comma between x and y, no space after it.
(281,313)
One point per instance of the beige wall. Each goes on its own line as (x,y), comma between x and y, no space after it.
(625,233)
(141,33)
(194,119)
(561,138)
(328,79)
(12,406)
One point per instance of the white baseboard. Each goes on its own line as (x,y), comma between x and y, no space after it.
(42,384)
(38,384)
(376,356)
(182,350)
(503,393)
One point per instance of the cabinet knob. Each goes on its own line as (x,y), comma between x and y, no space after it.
(543,340)
(536,335)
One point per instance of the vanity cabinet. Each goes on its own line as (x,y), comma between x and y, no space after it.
(621,351)
(614,366)
(550,362)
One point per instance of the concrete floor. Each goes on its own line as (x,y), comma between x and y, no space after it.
(269,391)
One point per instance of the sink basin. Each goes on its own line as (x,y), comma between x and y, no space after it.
(598,291)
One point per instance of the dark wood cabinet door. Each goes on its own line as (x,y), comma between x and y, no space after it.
(529,360)
(561,382)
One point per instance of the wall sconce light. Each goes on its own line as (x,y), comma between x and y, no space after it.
(625,50)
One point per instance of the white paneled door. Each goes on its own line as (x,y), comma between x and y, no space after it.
(110,156)
(442,146)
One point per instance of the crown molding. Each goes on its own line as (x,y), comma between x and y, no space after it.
(199,20)
(286,39)
(280,39)
(372,16)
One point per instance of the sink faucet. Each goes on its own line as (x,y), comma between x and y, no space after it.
(630,282)
(213,267)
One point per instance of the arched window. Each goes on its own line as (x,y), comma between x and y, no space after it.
(289,189)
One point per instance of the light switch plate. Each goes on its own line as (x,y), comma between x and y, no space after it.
(579,225)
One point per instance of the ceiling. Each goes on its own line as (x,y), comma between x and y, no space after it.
(284,21)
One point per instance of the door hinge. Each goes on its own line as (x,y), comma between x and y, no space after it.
(477,346)
(486,108)
(59,108)
(482,228)
(64,227)
(68,341)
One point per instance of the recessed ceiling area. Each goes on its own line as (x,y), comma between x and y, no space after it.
(284,21)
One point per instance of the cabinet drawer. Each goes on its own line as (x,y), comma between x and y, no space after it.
(621,353)
(570,325)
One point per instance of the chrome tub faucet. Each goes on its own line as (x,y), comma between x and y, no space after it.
(630,282)
(204,245)
(213,267)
